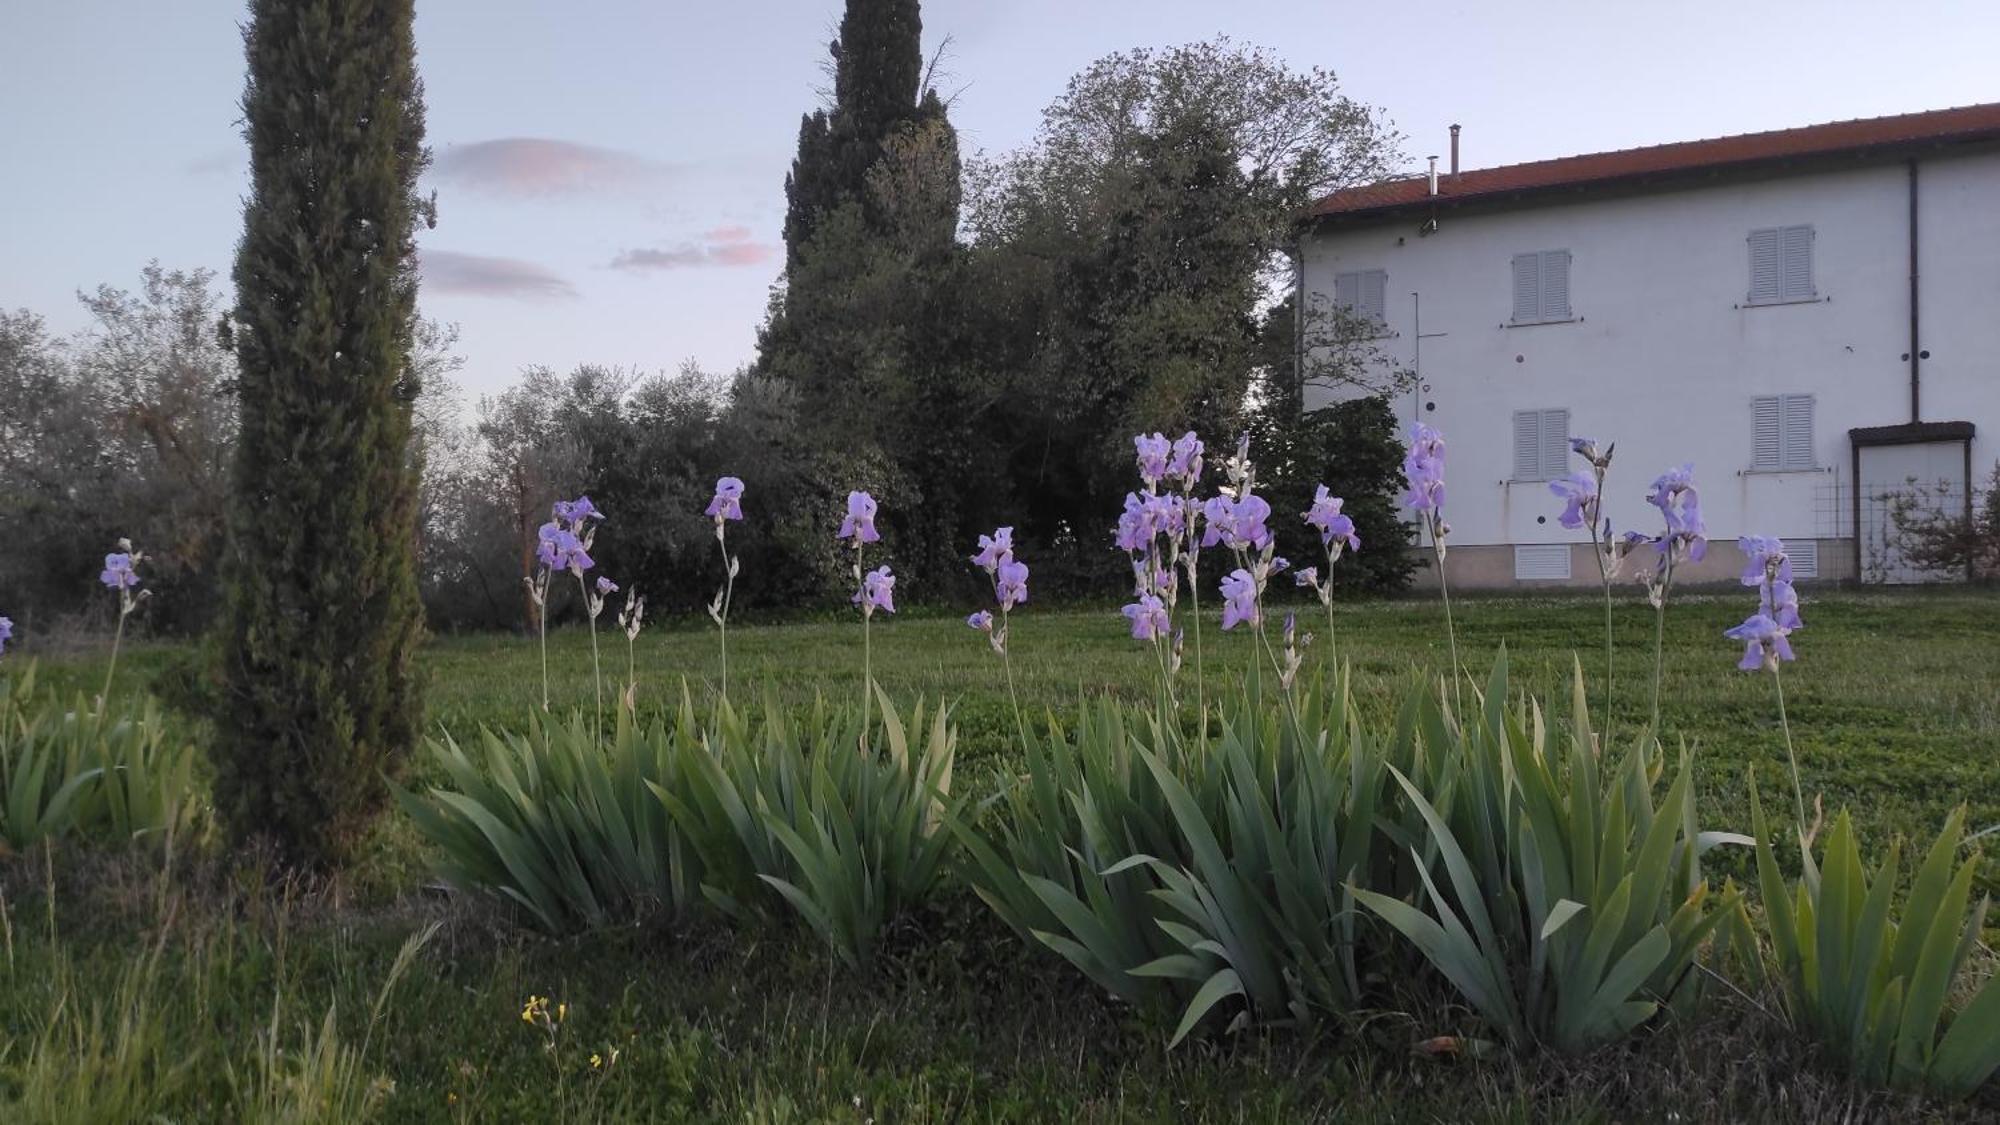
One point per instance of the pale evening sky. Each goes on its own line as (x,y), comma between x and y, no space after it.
(610,174)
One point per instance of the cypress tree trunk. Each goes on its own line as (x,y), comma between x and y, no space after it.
(323,615)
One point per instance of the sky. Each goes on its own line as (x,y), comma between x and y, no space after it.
(610,173)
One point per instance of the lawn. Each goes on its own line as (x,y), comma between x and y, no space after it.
(1895,708)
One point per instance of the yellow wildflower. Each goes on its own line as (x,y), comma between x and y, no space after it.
(596,1061)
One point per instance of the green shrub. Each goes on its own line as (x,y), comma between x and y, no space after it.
(584,834)
(96,775)
(1564,904)
(1178,871)
(1874,986)
(564,825)
(849,834)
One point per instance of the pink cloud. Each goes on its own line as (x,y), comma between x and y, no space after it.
(479,275)
(541,166)
(723,247)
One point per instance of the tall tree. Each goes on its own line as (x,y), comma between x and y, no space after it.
(323,616)
(877,67)
(1128,254)
(865,326)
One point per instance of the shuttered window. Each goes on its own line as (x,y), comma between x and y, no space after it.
(1783,428)
(1541,444)
(1804,554)
(1541,561)
(1363,293)
(1781,265)
(1541,287)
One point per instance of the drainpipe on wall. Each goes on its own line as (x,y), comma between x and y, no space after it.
(1916,378)
(1299,323)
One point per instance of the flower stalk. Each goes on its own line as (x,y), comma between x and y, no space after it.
(727,505)
(120,574)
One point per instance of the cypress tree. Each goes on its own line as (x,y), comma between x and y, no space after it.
(323,616)
(877,68)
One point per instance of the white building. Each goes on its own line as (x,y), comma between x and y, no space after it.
(1792,312)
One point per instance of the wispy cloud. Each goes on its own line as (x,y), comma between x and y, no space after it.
(722,246)
(218,162)
(542,166)
(480,275)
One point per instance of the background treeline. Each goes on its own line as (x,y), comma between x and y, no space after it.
(974,341)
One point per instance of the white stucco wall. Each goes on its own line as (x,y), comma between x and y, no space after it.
(1664,357)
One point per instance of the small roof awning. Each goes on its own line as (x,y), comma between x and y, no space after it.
(1910,433)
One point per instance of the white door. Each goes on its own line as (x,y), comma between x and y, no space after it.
(1929,476)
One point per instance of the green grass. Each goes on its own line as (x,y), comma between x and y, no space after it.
(1895,705)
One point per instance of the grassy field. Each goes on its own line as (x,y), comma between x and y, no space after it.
(1895,706)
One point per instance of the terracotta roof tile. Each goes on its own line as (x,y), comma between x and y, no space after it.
(1965,123)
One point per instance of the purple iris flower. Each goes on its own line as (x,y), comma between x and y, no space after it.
(1333,524)
(728,502)
(560,549)
(1185,464)
(574,512)
(118,573)
(1761,553)
(1238,523)
(1134,533)
(1764,643)
(1423,467)
(994,548)
(606,585)
(982,621)
(6,633)
(1153,450)
(1674,494)
(859,525)
(1149,618)
(1219,512)
(1307,577)
(1780,603)
(1010,583)
(1578,491)
(878,591)
(549,547)
(1165,515)
(1239,605)
(1279,565)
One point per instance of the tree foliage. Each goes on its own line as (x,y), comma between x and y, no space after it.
(1125,258)
(122,430)
(321,701)
(1937,532)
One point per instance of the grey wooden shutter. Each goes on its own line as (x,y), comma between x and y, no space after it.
(1555,285)
(1527,288)
(1527,445)
(1795,245)
(1555,443)
(1767,446)
(1363,293)
(1798,430)
(1766,267)
(1345,286)
(1375,296)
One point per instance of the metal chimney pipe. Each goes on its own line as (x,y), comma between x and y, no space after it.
(1454,153)
(1434,175)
